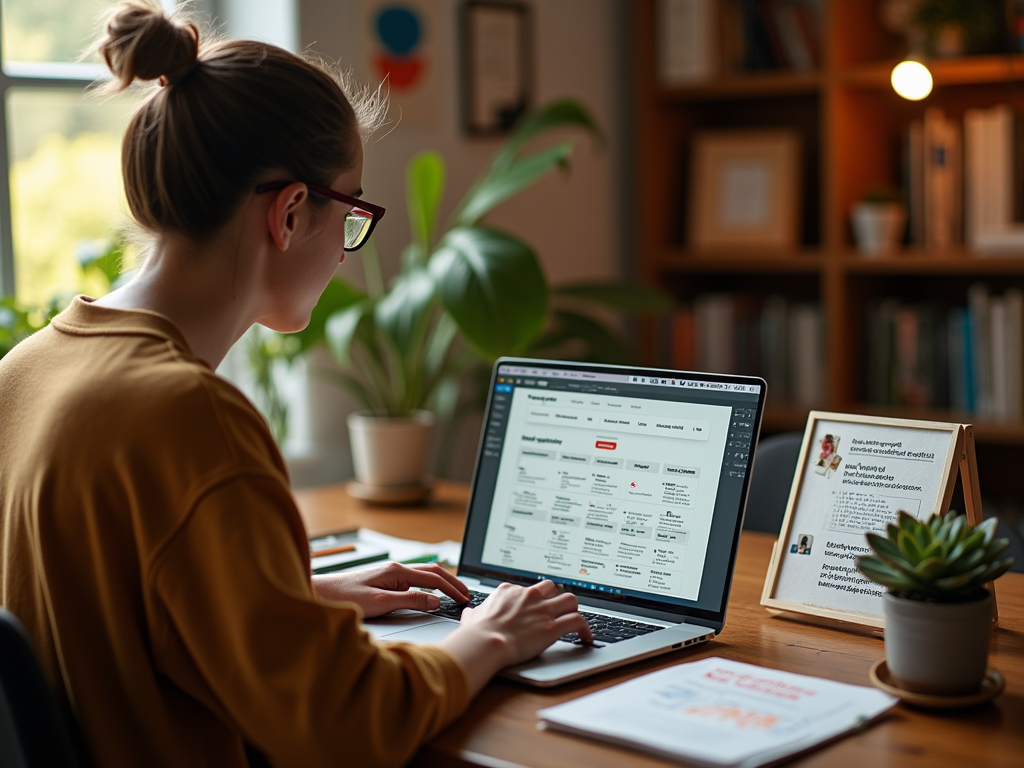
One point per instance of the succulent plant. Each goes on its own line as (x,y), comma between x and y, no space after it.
(943,559)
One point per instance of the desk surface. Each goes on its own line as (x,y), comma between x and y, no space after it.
(499,730)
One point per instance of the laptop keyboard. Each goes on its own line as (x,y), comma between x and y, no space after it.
(606,629)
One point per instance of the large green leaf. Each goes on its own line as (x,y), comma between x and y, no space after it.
(338,295)
(403,314)
(492,286)
(424,187)
(624,296)
(504,183)
(341,328)
(558,114)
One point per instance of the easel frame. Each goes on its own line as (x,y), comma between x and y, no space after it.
(960,460)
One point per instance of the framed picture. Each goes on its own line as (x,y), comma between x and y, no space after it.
(744,190)
(496,65)
(854,475)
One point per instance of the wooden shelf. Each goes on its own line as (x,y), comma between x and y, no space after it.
(958,263)
(985,430)
(758,85)
(969,70)
(687,262)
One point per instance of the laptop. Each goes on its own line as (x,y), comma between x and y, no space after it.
(625,486)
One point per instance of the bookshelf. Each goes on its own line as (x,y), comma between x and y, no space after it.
(852,128)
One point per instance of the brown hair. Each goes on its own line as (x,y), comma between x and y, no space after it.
(228,113)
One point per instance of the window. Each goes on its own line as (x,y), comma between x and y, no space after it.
(60,181)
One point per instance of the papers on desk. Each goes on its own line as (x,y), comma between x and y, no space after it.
(345,549)
(353,548)
(408,550)
(717,712)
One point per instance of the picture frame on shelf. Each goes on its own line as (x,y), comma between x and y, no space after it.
(497,69)
(745,190)
(853,474)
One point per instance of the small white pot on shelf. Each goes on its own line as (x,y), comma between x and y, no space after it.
(878,227)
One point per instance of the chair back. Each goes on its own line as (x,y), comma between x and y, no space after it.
(775,460)
(33,733)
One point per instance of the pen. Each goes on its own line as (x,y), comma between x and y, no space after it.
(333,550)
(432,558)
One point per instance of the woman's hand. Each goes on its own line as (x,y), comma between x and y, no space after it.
(380,589)
(512,625)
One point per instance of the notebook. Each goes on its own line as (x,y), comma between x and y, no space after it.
(625,486)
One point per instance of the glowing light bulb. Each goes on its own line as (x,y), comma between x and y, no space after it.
(911,80)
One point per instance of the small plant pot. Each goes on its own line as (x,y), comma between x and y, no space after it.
(937,648)
(878,227)
(390,452)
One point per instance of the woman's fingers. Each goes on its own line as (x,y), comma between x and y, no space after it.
(434,576)
(450,578)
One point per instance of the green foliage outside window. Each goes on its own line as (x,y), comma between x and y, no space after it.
(49,30)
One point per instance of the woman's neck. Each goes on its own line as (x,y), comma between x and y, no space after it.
(209,293)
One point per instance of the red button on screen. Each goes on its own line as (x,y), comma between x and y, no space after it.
(606,445)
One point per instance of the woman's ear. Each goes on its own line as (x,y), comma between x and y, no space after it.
(282,215)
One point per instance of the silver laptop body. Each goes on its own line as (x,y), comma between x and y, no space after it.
(625,486)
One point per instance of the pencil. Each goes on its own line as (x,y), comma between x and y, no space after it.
(333,550)
(421,559)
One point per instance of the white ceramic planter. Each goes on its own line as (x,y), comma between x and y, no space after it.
(390,452)
(878,227)
(937,648)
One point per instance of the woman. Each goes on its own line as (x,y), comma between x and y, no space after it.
(149,541)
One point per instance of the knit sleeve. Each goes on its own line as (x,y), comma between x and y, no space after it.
(236,626)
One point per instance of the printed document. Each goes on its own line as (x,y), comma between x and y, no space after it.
(718,712)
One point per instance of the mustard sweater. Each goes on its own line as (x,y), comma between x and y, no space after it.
(151,546)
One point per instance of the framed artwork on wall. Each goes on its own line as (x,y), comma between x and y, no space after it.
(744,190)
(496,65)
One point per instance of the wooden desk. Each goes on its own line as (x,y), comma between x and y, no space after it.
(499,730)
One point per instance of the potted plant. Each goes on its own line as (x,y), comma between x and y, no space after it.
(879,221)
(466,294)
(938,613)
(957,27)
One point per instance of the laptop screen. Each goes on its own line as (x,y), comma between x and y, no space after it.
(624,485)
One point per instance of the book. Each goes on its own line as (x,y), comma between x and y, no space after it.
(686,41)
(684,343)
(717,712)
(792,36)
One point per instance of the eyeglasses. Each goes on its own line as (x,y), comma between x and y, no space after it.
(359,222)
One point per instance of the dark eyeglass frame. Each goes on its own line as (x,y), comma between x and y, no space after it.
(375,212)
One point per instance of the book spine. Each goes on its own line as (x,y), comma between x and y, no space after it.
(1014,299)
(1000,371)
(915,163)
(981,346)
(684,342)
(686,41)
(773,348)
(956,324)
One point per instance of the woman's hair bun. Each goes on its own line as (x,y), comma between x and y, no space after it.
(143,43)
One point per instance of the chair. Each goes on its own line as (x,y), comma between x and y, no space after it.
(1005,530)
(33,732)
(775,460)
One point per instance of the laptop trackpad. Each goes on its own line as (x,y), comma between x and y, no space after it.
(410,627)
